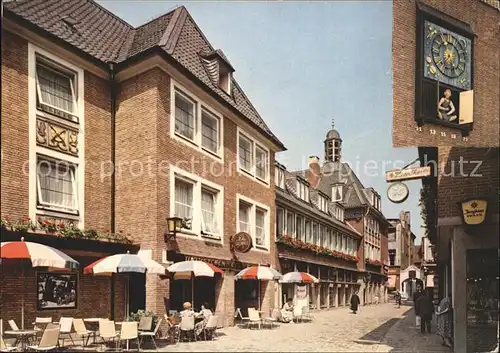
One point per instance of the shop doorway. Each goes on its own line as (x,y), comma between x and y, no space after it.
(136,292)
(182,290)
(246,295)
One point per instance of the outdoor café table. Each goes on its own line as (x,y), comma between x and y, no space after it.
(22,336)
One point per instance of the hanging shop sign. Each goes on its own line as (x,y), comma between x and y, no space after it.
(474,211)
(408,174)
(397,192)
(241,242)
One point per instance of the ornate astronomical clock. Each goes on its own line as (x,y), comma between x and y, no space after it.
(444,72)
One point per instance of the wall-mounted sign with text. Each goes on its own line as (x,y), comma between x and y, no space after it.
(408,174)
(474,211)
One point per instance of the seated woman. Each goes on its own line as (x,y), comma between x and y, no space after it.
(204,313)
(287,311)
(188,311)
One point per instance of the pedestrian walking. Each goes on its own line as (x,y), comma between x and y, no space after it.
(397,297)
(355,302)
(444,316)
(425,308)
(416,295)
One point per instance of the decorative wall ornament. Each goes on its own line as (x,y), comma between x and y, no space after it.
(56,137)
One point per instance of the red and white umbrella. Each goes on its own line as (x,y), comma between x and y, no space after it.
(298,277)
(192,269)
(259,272)
(39,255)
(124,263)
(187,269)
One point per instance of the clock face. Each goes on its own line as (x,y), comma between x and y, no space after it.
(447,56)
(397,192)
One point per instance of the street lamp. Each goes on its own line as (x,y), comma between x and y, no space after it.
(174,225)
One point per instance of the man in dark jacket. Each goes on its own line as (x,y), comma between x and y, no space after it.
(416,295)
(355,302)
(425,308)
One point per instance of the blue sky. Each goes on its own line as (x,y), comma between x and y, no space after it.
(304,64)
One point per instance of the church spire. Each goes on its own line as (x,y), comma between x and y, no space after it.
(333,145)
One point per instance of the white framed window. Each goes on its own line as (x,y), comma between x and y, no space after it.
(209,221)
(315,233)
(279,177)
(302,190)
(194,123)
(253,158)
(307,226)
(290,223)
(56,95)
(253,218)
(210,132)
(260,227)
(299,227)
(323,203)
(185,116)
(56,89)
(199,203)
(245,215)
(245,153)
(261,163)
(334,240)
(56,185)
(337,192)
(280,221)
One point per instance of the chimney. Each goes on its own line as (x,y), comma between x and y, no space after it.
(314,173)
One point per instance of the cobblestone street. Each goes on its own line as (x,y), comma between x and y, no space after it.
(381,328)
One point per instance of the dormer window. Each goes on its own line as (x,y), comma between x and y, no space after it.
(302,190)
(338,213)
(323,203)
(279,177)
(225,81)
(337,192)
(219,69)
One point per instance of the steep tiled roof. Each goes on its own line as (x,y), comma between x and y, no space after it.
(494,3)
(353,191)
(101,34)
(311,207)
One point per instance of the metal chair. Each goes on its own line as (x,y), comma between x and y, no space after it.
(65,326)
(48,342)
(186,327)
(151,334)
(107,332)
(210,327)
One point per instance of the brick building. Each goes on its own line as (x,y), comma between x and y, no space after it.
(312,237)
(362,211)
(160,104)
(439,45)
(460,210)
(401,251)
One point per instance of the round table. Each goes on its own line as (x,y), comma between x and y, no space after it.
(22,336)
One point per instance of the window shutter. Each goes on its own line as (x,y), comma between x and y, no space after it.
(466,107)
(429,99)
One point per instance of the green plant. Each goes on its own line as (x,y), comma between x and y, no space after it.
(71,231)
(141,313)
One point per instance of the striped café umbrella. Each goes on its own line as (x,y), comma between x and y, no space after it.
(191,269)
(39,255)
(298,277)
(260,273)
(124,263)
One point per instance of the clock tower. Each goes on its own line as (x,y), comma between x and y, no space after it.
(333,145)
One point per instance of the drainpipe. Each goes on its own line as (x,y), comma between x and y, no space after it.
(113,169)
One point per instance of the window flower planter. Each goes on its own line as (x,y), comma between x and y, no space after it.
(318,250)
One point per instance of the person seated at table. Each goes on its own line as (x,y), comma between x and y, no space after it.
(204,314)
(188,311)
(287,311)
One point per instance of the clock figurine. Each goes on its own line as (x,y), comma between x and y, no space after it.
(397,192)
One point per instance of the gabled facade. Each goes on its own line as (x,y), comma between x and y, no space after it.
(162,106)
(362,211)
(312,237)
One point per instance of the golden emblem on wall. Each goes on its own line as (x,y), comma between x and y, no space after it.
(474,211)
(56,137)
